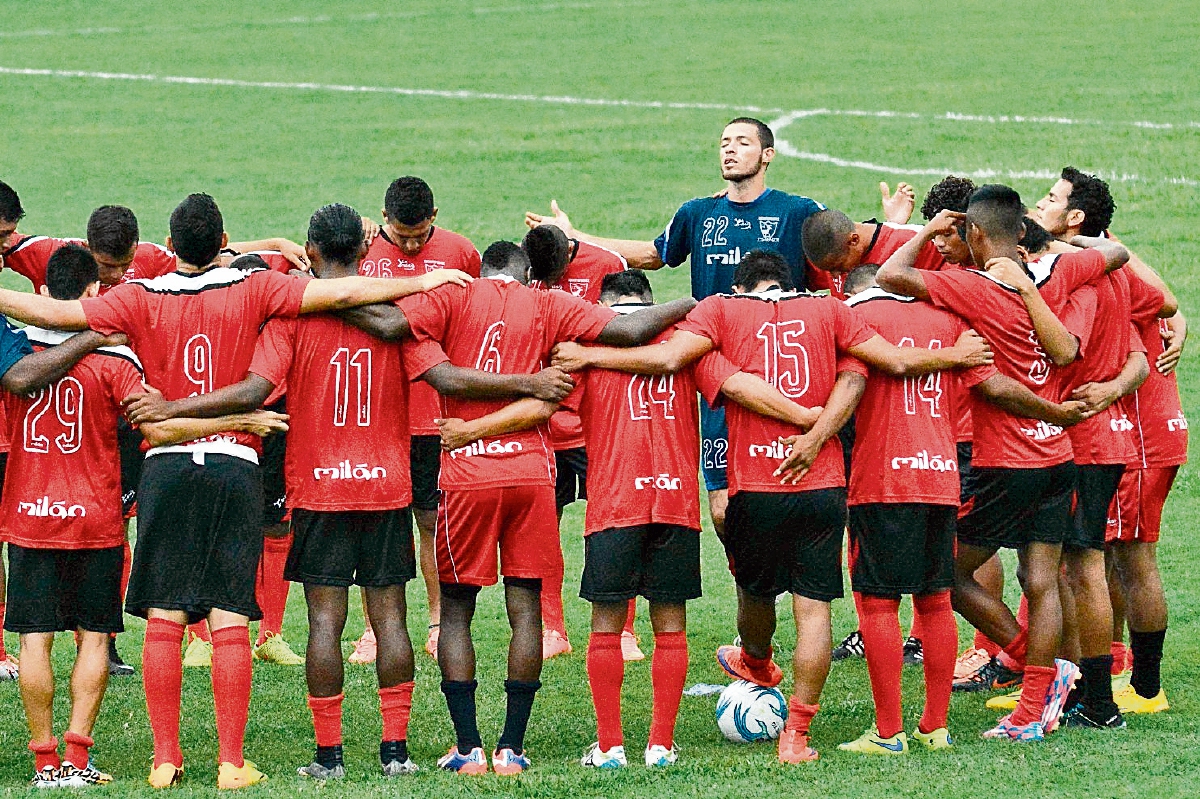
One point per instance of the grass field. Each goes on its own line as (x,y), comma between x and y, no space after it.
(614,108)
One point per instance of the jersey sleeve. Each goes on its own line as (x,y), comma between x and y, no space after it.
(471,261)
(850,327)
(574,401)
(429,312)
(1145,300)
(569,318)
(29,257)
(14,345)
(419,356)
(278,294)
(674,245)
(976,374)
(949,291)
(154,260)
(848,363)
(710,373)
(124,379)
(118,310)
(1081,268)
(1080,315)
(1135,341)
(705,320)
(274,350)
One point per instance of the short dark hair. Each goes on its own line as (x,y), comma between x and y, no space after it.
(1036,237)
(337,232)
(1090,194)
(249,262)
(70,270)
(950,193)
(766,136)
(825,234)
(760,265)
(10,204)
(627,283)
(196,228)
(549,252)
(860,278)
(997,210)
(408,201)
(506,257)
(112,230)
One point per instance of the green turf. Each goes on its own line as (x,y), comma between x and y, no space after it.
(270,156)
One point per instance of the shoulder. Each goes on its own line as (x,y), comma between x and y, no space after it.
(696,208)
(450,240)
(794,203)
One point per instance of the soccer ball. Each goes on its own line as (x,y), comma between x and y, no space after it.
(747,712)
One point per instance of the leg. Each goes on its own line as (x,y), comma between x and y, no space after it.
(668,670)
(976,604)
(991,577)
(231,682)
(366,647)
(814,635)
(89,679)
(879,621)
(162,672)
(456,659)
(271,589)
(1116,595)
(940,643)
(606,671)
(524,659)
(323,669)
(426,523)
(1137,568)
(1039,574)
(756,623)
(394,667)
(37,685)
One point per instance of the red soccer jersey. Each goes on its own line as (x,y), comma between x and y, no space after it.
(589,265)
(31,254)
(347,398)
(792,341)
(443,250)
(904,444)
(1154,410)
(195,333)
(888,238)
(63,486)
(5,441)
(495,325)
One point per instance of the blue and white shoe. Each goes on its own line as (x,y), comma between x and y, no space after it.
(473,762)
(1025,733)
(659,756)
(1065,675)
(598,758)
(506,762)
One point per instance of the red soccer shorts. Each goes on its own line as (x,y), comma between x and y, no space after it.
(518,523)
(1136,511)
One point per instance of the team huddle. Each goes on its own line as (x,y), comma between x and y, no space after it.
(999,378)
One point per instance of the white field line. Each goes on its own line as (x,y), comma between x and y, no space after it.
(778,124)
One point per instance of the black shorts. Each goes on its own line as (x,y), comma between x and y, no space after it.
(129,445)
(966,475)
(1015,507)
(50,590)
(572,476)
(199,536)
(274,485)
(901,548)
(792,542)
(425,461)
(1095,487)
(658,561)
(371,548)
(846,435)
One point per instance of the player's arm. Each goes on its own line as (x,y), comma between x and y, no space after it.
(630,330)
(756,394)
(898,207)
(664,358)
(34,309)
(1059,343)
(1099,396)
(176,431)
(242,397)
(293,252)
(899,273)
(1141,269)
(383,320)
(1013,397)
(638,254)
(970,350)
(348,292)
(39,369)
(839,407)
(551,384)
(1115,255)
(523,414)
(1175,339)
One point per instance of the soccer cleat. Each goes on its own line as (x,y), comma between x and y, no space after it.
(1065,675)
(365,649)
(991,676)
(276,650)
(1121,681)
(1130,701)
(198,654)
(1004,701)
(315,771)
(794,748)
(1080,716)
(165,776)
(231,778)
(9,669)
(506,762)
(850,647)
(732,660)
(630,651)
(969,662)
(116,666)
(554,644)
(659,756)
(474,762)
(69,776)
(938,739)
(871,743)
(396,768)
(431,643)
(595,757)
(1025,733)
(914,654)
(46,778)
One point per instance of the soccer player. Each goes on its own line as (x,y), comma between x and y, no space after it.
(835,245)
(578,268)
(784,537)
(200,534)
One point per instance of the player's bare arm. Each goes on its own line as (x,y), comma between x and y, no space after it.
(1143,270)
(551,384)
(176,431)
(512,418)
(1017,399)
(754,393)
(898,207)
(638,254)
(969,351)
(1099,396)
(34,309)
(348,292)
(293,252)
(36,371)
(242,397)
(1058,342)
(1115,255)
(839,407)
(385,321)
(899,274)
(630,330)
(1175,338)
(664,358)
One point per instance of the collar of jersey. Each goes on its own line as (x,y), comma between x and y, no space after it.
(501,277)
(52,338)
(876,293)
(771,295)
(630,307)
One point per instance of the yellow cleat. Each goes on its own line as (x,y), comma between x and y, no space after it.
(1004,701)
(276,650)
(165,776)
(198,654)
(230,777)
(938,739)
(1129,701)
(870,743)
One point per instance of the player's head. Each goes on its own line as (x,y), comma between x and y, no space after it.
(1036,239)
(335,236)
(549,252)
(10,212)
(860,279)
(197,230)
(627,287)
(505,258)
(747,147)
(71,274)
(761,270)
(409,213)
(831,241)
(1077,203)
(950,193)
(995,218)
(112,236)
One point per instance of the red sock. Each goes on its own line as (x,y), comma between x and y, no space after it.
(630,616)
(940,644)
(606,672)
(200,630)
(3,653)
(800,715)
(162,673)
(77,748)
(126,568)
(668,673)
(45,753)
(270,589)
(1013,655)
(1033,694)
(231,691)
(327,719)
(986,644)
(395,705)
(1023,613)
(1119,653)
(552,603)
(879,623)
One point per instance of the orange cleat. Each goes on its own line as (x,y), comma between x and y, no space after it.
(732,659)
(794,748)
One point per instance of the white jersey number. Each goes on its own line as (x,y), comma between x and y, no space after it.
(343,363)
(197,363)
(646,391)
(67,398)
(925,389)
(785,359)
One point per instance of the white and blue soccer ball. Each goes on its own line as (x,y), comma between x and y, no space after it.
(747,712)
